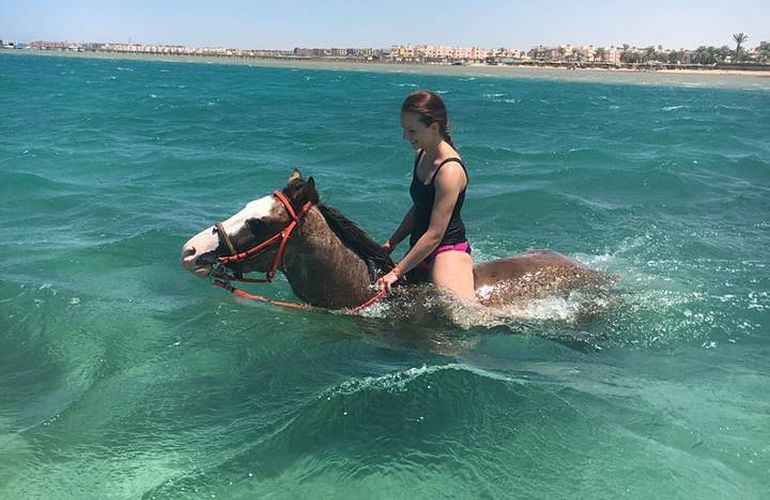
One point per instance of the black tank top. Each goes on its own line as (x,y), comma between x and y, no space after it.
(422,199)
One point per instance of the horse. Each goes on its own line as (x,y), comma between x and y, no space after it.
(331,263)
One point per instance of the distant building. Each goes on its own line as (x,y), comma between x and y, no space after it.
(437,53)
(403,53)
(508,53)
(612,55)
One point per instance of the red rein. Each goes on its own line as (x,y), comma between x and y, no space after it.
(281,238)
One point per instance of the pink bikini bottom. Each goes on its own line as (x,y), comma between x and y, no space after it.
(463,246)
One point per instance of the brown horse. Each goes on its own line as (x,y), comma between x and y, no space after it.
(331,263)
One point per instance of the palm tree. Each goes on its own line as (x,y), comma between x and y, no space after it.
(764,52)
(704,55)
(739,39)
(649,54)
(600,54)
(722,53)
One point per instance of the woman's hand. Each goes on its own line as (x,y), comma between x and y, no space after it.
(387,281)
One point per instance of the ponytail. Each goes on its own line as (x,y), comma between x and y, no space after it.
(448,139)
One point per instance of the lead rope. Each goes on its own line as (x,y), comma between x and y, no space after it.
(380,295)
(296,305)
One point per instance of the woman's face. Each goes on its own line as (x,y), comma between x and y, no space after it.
(416,132)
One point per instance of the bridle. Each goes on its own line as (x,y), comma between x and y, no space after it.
(281,238)
(222,278)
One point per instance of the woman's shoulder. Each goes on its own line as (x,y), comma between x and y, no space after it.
(450,157)
(451,170)
(456,159)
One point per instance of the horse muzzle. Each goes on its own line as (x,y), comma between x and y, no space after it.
(194,263)
(198,253)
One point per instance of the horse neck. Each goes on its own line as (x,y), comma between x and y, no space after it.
(321,269)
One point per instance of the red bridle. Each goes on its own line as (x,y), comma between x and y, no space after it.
(222,279)
(281,238)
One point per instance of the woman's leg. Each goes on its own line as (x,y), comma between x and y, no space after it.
(453,271)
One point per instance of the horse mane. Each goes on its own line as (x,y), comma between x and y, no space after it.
(356,239)
(302,191)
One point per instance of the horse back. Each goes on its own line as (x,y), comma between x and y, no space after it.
(528,264)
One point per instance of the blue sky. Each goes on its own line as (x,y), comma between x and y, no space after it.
(373,23)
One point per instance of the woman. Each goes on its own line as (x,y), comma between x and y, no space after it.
(437,234)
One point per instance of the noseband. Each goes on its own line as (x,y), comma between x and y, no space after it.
(281,239)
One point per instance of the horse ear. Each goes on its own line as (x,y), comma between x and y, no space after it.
(310,188)
(308,191)
(295,175)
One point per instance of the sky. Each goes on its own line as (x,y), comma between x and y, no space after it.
(285,24)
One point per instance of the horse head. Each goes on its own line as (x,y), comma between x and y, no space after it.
(244,242)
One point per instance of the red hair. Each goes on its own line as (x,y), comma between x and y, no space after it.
(430,108)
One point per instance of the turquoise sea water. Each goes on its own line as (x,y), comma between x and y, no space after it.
(122,376)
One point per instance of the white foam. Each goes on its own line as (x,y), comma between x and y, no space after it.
(379,309)
(551,308)
(398,381)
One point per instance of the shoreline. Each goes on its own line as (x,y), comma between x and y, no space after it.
(752,79)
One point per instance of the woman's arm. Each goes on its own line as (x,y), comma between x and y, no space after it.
(403,230)
(449,182)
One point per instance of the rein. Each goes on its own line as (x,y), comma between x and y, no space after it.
(222,280)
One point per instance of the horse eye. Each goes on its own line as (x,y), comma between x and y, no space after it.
(255,225)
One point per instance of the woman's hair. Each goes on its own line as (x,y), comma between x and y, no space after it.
(430,107)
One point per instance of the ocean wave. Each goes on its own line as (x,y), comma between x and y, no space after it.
(342,415)
(400,380)
(399,423)
(24,184)
(406,85)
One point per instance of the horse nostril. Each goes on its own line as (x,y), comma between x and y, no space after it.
(188,252)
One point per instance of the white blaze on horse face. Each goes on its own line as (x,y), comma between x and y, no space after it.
(207,240)
(257,209)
